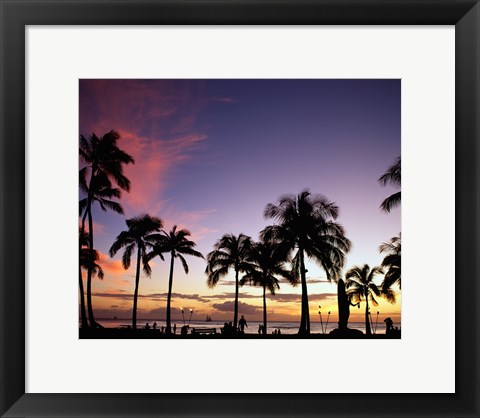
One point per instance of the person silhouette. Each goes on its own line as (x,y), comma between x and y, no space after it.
(389,324)
(174,328)
(242,324)
(154,325)
(147,326)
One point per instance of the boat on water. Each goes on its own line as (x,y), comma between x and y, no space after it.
(208,318)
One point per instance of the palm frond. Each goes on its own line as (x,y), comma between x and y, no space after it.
(393,174)
(110,204)
(391,202)
(389,295)
(215,275)
(82,206)
(184,262)
(127,255)
(123,239)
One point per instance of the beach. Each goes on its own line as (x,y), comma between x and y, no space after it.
(115,328)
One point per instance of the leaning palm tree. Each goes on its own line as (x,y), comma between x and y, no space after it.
(269,260)
(230,251)
(101,158)
(392,263)
(83,264)
(141,234)
(392,177)
(307,225)
(99,190)
(177,244)
(361,287)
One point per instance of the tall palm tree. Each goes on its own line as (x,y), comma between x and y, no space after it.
(141,234)
(361,287)
(99,191)
(269,261)
(307,225)
(230,251)
(392,263)
(83,264)
(177,244)
(102,158)
(392,177)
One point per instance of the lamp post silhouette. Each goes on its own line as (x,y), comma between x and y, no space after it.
(189,319)
(183,315)
(320,314)
(326,325)
(376,323)
(371,320)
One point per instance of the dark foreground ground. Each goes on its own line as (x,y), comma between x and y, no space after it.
(119,333)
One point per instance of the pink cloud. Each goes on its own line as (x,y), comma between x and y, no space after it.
(155,159)
(157,122)
(111,267)
(189,220)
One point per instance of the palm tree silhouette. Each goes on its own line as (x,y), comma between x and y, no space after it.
(99,191)
(269,261)
(307,225)
(177,244)
(361,287)
(393,177)
(103,160)
(83,264)
(392,263)
(230,251)
(141,234)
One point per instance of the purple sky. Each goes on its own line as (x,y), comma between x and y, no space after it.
(210,154)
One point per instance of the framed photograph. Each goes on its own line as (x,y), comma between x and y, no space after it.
(226,180)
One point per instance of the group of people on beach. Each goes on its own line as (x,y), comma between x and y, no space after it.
(162,329)
(229,329)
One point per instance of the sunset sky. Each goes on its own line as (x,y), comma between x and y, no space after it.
(210,154)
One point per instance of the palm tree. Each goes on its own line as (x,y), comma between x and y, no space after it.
(307,225)
(361,287)
(177,244)
(392,264)
(141,234)
(230,251)
(102,159)
(83,264)
(392,177)
(269,261)
(99,191)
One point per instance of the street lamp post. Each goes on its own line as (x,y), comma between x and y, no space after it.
(376,322)
(321,321)
(326,326)
(183,315)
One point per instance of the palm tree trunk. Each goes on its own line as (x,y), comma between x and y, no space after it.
(82,290)
(170,282)
(305,319)
(264,312)
(368,331)
(135,295)
(82,302)
(235,313)
(90,268)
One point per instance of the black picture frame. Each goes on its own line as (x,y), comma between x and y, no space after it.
(17,14)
